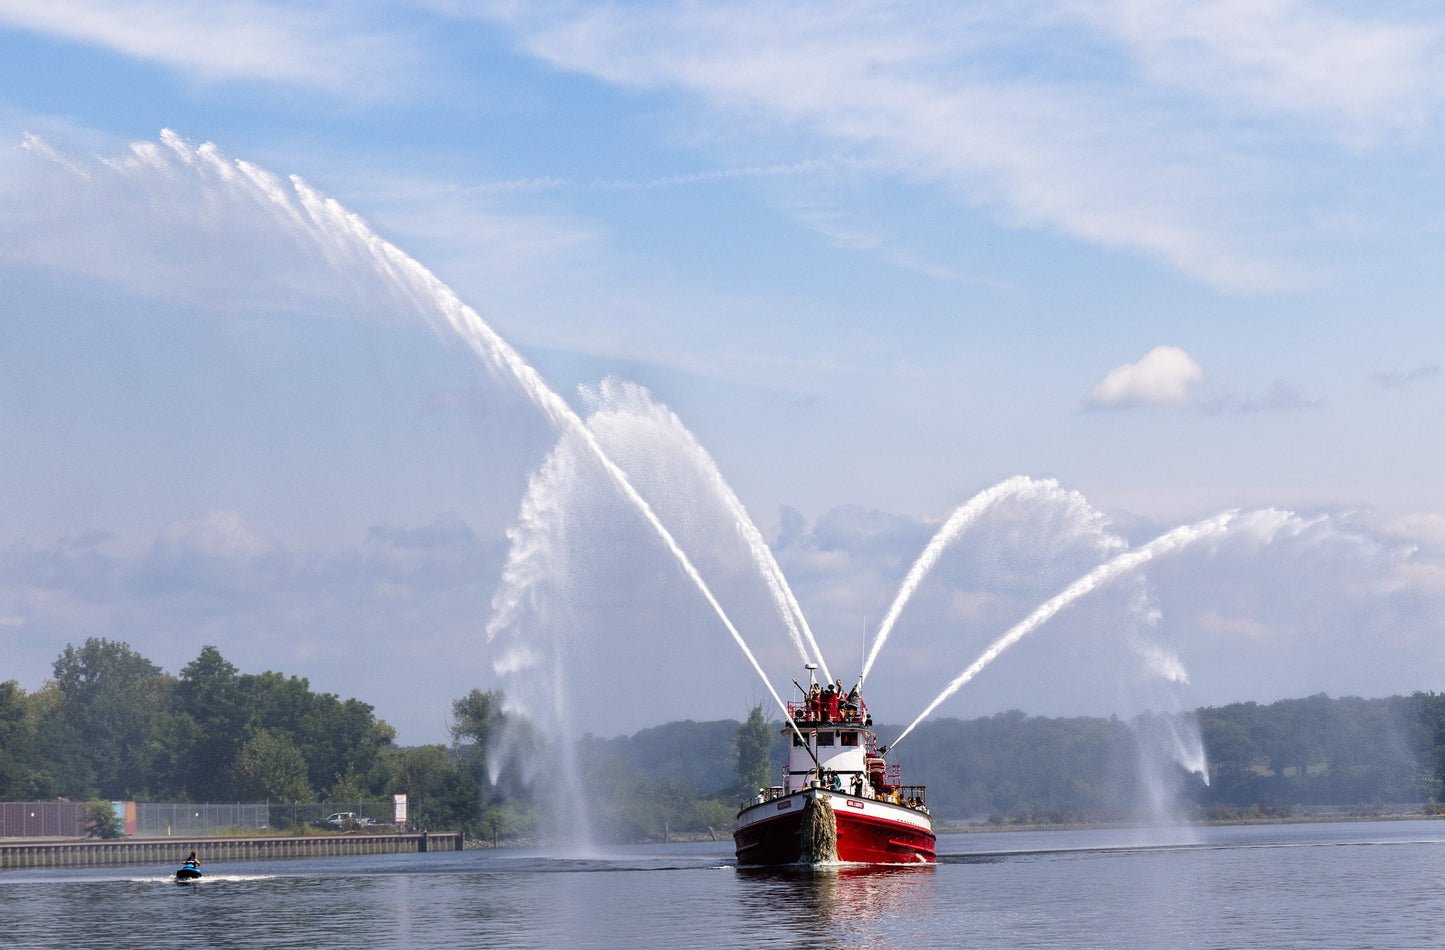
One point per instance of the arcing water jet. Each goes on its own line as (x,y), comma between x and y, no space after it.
(346,240)
(1019,487)
(348,243)
(1171,541)
(629,409)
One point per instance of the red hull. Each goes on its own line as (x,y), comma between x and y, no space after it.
(770,833)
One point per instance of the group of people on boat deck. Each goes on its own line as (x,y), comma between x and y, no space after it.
(859,788)
(831,780)
(831,704)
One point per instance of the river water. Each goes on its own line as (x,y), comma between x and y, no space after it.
(1350,885)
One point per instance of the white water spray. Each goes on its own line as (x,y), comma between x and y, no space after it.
(348,244)
(628,406)
(1019,487)
(1185,744)
(347,241)
(392,262)
(1171,541)
(1174,733)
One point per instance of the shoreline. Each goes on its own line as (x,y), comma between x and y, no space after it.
(972,827)
(32,853)
(279,846)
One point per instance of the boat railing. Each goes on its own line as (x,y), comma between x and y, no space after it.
(913,796)
(803,712)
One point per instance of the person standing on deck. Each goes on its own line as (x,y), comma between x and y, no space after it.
(830,704)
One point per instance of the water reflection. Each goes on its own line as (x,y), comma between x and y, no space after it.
(839,902)
(1323,887)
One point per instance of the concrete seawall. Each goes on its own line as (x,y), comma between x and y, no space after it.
(15,855)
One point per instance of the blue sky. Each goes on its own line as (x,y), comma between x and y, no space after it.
(1179,257)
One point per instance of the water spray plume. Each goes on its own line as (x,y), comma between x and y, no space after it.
(395,264)
(346,240)
(1019,487)
(1172,541)
(620,403)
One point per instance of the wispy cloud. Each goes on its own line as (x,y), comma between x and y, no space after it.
(1203,134)
(1124,124)
(320,45)
(1398,379)
(1356,76)
(1282,396)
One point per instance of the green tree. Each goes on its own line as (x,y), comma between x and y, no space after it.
(17,744)
(754,739)
(335,738)
(212,727)
(477,721)
(441,790)
(1230,747)
(62,763)
(1423,722)
(269,767)
(114,710)
(1292,732)
(101,821)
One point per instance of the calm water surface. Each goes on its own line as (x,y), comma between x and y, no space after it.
(1376,885)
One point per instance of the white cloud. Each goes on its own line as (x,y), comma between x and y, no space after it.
(1283,607)
(1126,124)
(1356,76)
(1189,132)
(220,535)
(401,605)
(1166,376)
(922,97)
(1424,528)
(317,45)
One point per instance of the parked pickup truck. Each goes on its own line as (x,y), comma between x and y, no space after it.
(349,819)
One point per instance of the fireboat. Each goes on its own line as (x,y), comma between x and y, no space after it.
(839,800)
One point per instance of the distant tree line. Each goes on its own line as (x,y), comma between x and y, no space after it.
(111,725)
(1360,753)
(680,778)
(1323,751)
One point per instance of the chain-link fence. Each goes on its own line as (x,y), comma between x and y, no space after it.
(185,818)
(346,815)
(216,819)
(69,819)
(167,818)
